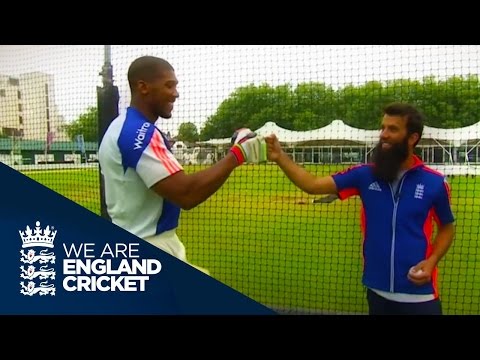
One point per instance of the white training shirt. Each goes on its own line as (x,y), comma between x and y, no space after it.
(134,155)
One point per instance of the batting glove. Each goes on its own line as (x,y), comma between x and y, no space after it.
(248,147)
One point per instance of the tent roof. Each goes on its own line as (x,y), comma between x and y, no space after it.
(338,130)
(457,135)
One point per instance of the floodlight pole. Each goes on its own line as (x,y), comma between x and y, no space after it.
(107,100)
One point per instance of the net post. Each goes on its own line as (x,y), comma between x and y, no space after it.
(107,102)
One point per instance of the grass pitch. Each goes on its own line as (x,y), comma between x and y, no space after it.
(262,236)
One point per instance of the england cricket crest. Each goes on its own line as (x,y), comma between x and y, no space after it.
(39,260)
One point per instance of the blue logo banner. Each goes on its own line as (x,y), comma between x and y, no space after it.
(59,258)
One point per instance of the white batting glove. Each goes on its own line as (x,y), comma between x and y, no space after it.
(248,147)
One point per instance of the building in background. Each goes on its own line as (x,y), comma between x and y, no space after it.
(27,108)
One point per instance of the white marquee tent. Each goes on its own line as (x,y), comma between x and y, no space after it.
(452,151)
(338,130)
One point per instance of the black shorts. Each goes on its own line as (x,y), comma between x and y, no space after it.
(378,305)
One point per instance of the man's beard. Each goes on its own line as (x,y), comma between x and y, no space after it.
(388,161)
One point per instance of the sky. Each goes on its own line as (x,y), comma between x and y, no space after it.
(208,74)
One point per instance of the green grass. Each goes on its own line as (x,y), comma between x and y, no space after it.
(263,237)
(81,186)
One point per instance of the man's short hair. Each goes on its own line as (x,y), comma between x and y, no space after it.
(146,68)
(415,119)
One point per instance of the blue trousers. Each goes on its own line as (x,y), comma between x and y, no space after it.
(378,305)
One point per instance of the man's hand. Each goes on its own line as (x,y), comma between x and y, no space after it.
(421,273)
(274,150)
(248,147)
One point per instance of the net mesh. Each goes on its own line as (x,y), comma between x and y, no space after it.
(294,252)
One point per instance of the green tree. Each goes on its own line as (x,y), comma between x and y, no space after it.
(251,106)
(449,103)
(86,124)
(316,106)
(187,132)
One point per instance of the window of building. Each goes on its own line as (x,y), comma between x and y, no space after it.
(20,107)
(20,120)
(2,92)
(19,94)
(13,81)
(12,132)
(46,88)
(48,113)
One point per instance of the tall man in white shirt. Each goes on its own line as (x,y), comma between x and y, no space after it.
(145,186)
